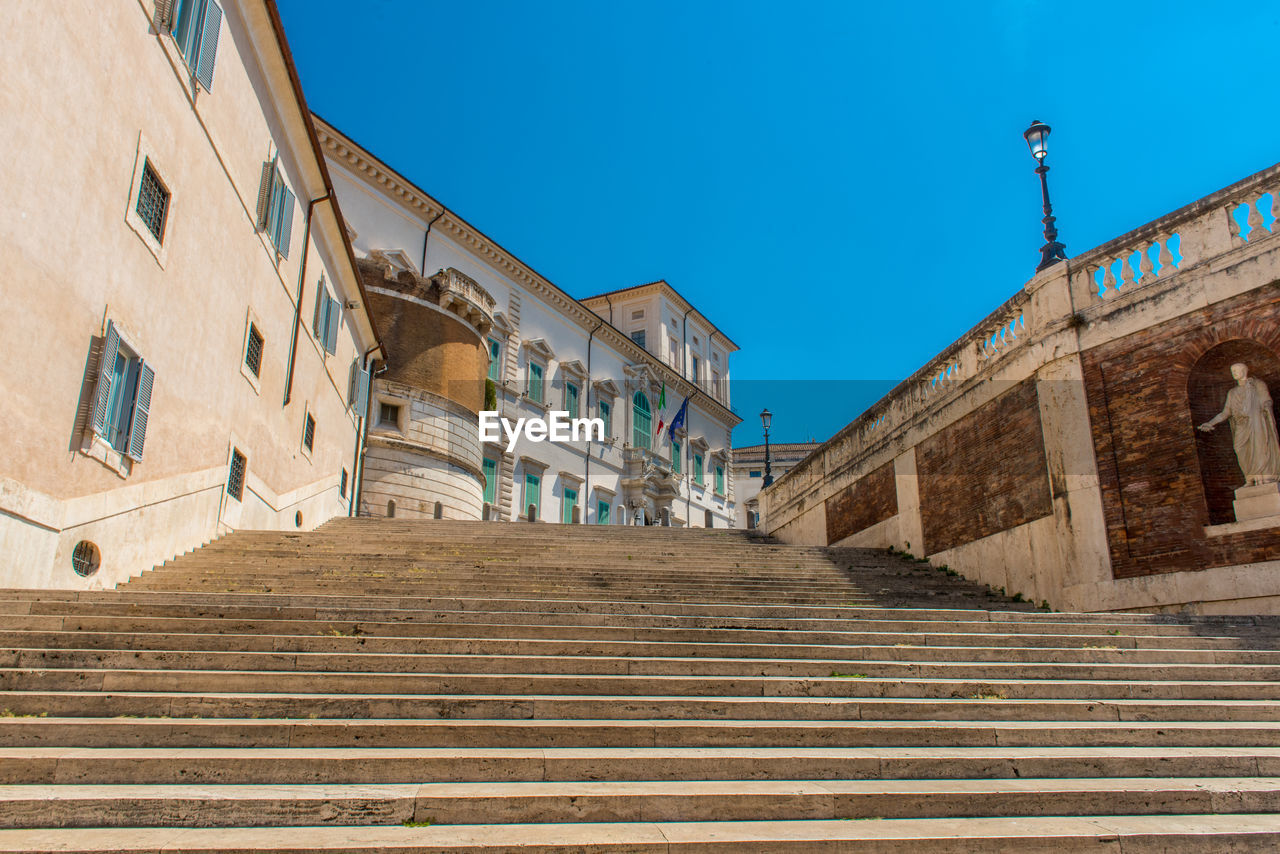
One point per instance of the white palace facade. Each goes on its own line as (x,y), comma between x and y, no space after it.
(441,291)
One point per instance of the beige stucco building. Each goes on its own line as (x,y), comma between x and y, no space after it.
(749,471)
(186,322)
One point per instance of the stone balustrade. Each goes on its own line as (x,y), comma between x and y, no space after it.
(1214,251)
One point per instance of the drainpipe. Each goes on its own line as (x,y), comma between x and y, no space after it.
(362,439)
(586,474)
(302,289)
(684,372)
(426,235)
(610,302)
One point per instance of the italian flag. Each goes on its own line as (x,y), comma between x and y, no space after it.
(662,404)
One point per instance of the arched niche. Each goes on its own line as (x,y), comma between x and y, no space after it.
(1207,386)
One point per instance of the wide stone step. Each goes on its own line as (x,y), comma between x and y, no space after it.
(71,679)
(259,733)
(220,704)
(20,641)
(100,766)
(783,665)
(676,800)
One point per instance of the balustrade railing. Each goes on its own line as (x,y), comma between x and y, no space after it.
(1238,216)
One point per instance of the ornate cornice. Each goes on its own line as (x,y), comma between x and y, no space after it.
(395,186)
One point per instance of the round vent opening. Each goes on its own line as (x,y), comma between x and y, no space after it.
(86,559)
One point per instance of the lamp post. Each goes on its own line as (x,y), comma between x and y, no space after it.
(1037,137)
(766,418)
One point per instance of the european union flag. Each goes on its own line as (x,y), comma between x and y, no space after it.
(678,421)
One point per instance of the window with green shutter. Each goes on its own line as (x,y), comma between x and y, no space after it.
(720,480)
(328,316)
(122,396)
(641,420)
(495,351)
(602,513)
(675,456)
(275,207)
(490,481)
(196,25)
(570,501)
(532,494)
(535,382)
(571,399)
(606,415)
(697,468)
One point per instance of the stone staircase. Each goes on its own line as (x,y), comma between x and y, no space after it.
(405,686)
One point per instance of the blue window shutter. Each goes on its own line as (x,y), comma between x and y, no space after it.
(353,382)
(331,331)
(212,25)
(102,392)
(362,396)
(322,302)
(141,411)
(286,221)
(264,192)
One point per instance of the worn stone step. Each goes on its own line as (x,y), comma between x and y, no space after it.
(726,800)
(98,766)
(222,704)
(638,664)
(257,733)
(19,641)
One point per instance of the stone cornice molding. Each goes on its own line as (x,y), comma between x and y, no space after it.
(539,347)
(663,287)
(368,168)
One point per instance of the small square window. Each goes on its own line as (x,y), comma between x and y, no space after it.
(638,337)
(235,483)
(153,201)
(753,473)
(253,350)
(388,415)
(309,433)
(342,485)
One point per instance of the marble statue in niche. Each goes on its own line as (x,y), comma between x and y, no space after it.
(1253,427)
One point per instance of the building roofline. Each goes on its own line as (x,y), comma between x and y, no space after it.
(295,82)
(663,283)
(489,251)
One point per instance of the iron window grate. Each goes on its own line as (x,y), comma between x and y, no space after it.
(253,350)
(235,483)
(342,485)
(85,559)
(309,433)
(153,201)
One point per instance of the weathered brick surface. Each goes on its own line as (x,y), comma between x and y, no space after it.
(427,348)
(873,498)
(985,473)
(1162,481)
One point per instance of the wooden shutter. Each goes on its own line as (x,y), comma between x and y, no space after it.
(141,411)
(362,394)
(106,367)
(286,220)
(353,382)
(322,302)
(264,192)
(331,329)
(163,19)
(212,26)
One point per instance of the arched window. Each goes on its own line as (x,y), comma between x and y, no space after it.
(640,420)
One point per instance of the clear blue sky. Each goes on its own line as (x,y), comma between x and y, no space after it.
(841,186)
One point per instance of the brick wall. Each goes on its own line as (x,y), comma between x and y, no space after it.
(984,473)
(873,498)
(1161,480)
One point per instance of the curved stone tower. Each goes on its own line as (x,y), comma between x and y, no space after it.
(423,458)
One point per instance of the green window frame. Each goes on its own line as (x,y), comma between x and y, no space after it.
(571,399)
(697,468)
(566,506)
(495,351)
(641,420)
(535,382)
(606,415)
(532,494)
(490,480)
(675,456)
(602,512)
(720,480)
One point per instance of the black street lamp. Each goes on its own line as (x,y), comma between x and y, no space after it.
(1037,137)
(766,418)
